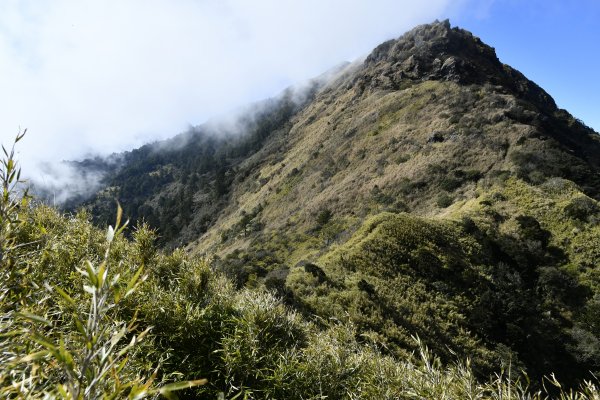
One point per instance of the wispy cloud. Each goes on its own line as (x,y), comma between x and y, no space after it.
(101,76)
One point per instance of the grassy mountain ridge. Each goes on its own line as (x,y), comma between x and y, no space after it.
(434,137)
(428,190)
(385,121)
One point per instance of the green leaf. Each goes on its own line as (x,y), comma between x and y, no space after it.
(173,387)
(121,229)
(119,215)
(101,276)
(91,273)
(34,318)
(79,325)
(65,296)
(16,332)
(42,341)
(62,391)
(65,355)
(133,281)
(122,364)
(170,396)
(34,356)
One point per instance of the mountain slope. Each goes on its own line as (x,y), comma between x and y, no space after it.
(370,138)
(428,190)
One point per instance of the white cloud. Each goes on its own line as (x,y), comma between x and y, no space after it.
(101,76)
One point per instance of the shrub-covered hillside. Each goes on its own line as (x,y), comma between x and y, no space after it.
(87,313)
(509,277)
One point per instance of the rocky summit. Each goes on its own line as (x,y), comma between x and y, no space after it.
(439,52)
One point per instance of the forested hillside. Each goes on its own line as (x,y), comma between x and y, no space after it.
(179,186)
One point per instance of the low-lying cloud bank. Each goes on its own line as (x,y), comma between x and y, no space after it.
(88,77)
(70,182)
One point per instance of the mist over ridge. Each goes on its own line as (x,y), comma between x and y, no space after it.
(76,180)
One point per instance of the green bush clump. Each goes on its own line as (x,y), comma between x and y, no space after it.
(324,217)
(444,200)
(62,335)
(582,208)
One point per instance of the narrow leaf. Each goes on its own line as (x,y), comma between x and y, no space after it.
(172,387)
(34,356)
(65,296)
(34,318)
(119,215)
(91,273)
(42,341)
(101,276)
(133,281)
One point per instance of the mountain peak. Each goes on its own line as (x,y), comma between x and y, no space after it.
(437,39)
(408,43)
(437,51)
(431,170)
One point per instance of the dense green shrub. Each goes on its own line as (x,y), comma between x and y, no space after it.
(582,208)
(61,332)
(499,297)
(324,217)
(444,200)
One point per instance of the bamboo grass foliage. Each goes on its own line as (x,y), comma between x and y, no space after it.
(90,362)
(91,373)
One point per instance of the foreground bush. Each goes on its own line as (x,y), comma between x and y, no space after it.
(64,342)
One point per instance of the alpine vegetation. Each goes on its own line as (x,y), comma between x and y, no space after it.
(423,224)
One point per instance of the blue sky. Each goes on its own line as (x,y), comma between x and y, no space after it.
(555,43)
(98,76)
